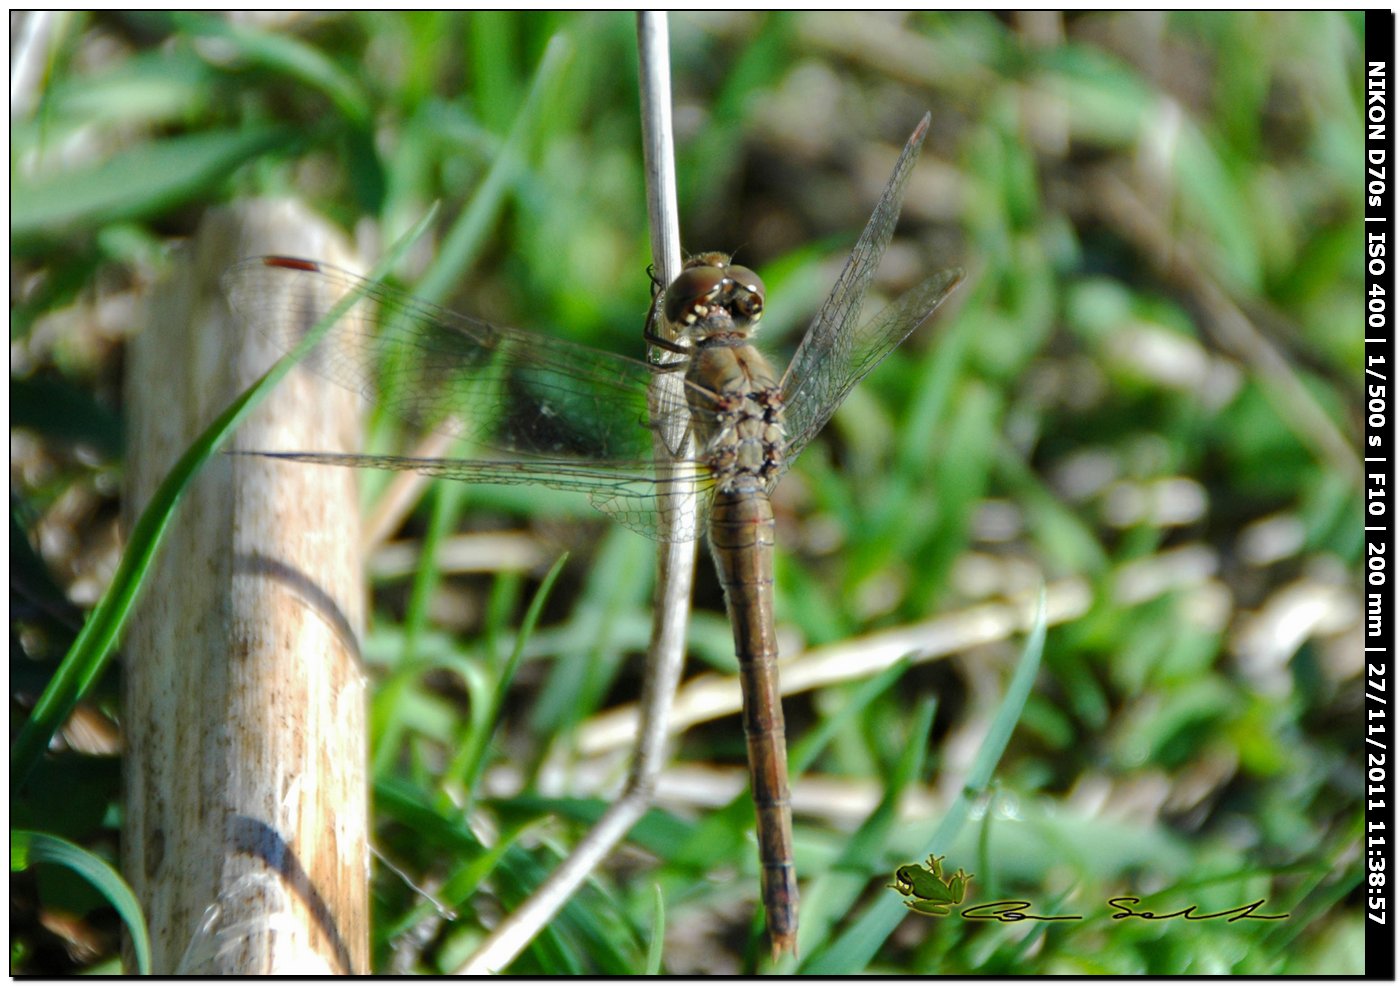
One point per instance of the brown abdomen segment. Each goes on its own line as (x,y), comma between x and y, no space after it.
(741,538)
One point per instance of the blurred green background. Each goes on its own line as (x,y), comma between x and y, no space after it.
(1143,395)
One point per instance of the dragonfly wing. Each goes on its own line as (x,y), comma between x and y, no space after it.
(833,356)
(502,388)
(629,492)
(861,353)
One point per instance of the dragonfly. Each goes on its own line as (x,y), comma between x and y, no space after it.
(568,417)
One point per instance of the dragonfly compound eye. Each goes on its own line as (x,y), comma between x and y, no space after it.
(693,290)
(744,296)
(700,289)
(746,279)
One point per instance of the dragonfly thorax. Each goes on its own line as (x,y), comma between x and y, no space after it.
(737,409)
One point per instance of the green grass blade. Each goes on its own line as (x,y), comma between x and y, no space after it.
(28,848)
(805,751)
(854,949)
(831,896)
(471,761)
(88,656)
(999,733)
(447,503)
(464,240)
(447,835)
(147,180)
(658,934)
(287,54)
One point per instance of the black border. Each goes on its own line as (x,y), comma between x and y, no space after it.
(1377,742)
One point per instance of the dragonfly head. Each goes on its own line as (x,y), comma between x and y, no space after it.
(712,296)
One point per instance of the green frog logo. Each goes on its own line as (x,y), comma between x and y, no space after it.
(933,894)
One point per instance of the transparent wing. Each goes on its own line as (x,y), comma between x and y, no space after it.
(630,493)
(855,354)
(504,389)
(570,417)
(834,356)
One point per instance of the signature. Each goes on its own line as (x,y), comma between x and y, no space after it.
(1011,911)
(927,890)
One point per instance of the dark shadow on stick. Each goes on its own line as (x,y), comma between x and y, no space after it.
(308,591)
(259,839)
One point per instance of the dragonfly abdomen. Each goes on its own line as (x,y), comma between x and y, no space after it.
(741,539)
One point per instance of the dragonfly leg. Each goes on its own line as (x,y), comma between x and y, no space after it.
(666,344)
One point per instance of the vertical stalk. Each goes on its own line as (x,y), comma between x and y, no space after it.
(675,563)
